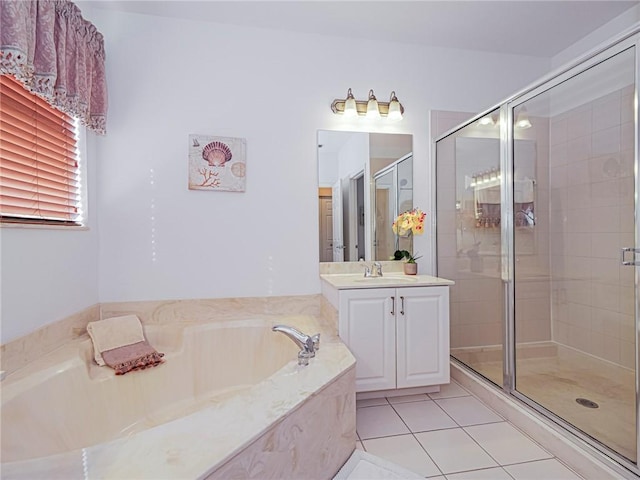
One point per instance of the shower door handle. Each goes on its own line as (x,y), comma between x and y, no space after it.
(632,262)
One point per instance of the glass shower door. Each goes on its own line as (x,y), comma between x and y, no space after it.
(469,242)
(574,194)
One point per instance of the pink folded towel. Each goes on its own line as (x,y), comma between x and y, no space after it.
(119,343)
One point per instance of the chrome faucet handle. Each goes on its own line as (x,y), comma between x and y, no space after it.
(316,342)
(303,358)
(378,267)
(367,270)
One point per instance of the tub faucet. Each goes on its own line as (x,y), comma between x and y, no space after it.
(308,344)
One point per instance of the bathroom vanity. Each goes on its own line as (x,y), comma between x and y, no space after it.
(397,327)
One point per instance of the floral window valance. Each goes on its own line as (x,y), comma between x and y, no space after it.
(58,55)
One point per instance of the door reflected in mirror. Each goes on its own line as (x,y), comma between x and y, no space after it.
(365,181)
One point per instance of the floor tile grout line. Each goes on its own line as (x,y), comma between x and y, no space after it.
(508,464)
(416,439)
(410,431)
(479,469)
(543,460)
(425,399)
(427,453)
(483,404)
(529,437)
(447,413)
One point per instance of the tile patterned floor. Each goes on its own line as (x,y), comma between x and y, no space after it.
(452,435)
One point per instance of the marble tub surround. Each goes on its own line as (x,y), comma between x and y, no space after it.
(300,448)
(18,353)
(256,426)
(224,309)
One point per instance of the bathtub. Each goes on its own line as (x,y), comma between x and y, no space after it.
(229,401)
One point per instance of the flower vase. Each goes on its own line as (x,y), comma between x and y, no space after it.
(410,268)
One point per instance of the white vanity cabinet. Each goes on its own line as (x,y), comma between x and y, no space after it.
(399,336)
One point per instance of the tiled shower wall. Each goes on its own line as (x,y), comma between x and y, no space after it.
(591,158)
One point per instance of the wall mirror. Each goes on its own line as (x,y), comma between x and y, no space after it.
(364,181)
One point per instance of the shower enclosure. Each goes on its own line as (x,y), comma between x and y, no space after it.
(536,213)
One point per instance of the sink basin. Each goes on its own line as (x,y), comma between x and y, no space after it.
(387,279)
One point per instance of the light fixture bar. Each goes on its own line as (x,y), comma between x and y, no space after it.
(337,107)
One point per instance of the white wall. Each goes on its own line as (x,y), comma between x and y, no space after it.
(169,78)
(46,274)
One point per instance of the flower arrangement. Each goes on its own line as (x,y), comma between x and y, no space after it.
(409,222)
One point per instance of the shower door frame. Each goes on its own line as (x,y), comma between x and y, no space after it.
(509,254)
(626,40)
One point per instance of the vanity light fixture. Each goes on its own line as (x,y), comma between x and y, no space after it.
(371,108)
(522,119)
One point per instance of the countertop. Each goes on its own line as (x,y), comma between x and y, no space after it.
(345,281)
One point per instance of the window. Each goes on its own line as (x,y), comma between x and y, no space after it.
(39,160)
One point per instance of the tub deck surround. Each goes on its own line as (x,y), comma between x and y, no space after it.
(19,352)
(253,416)
(224,309)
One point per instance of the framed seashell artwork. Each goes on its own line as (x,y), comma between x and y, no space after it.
(217,163)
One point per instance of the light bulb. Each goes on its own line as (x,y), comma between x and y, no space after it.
(395,113)
(372,106)
(350,108)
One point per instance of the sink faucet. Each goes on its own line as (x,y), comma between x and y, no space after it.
(374,271)
(308,344)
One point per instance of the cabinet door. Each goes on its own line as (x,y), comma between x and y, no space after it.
(367,326)
(422,322)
